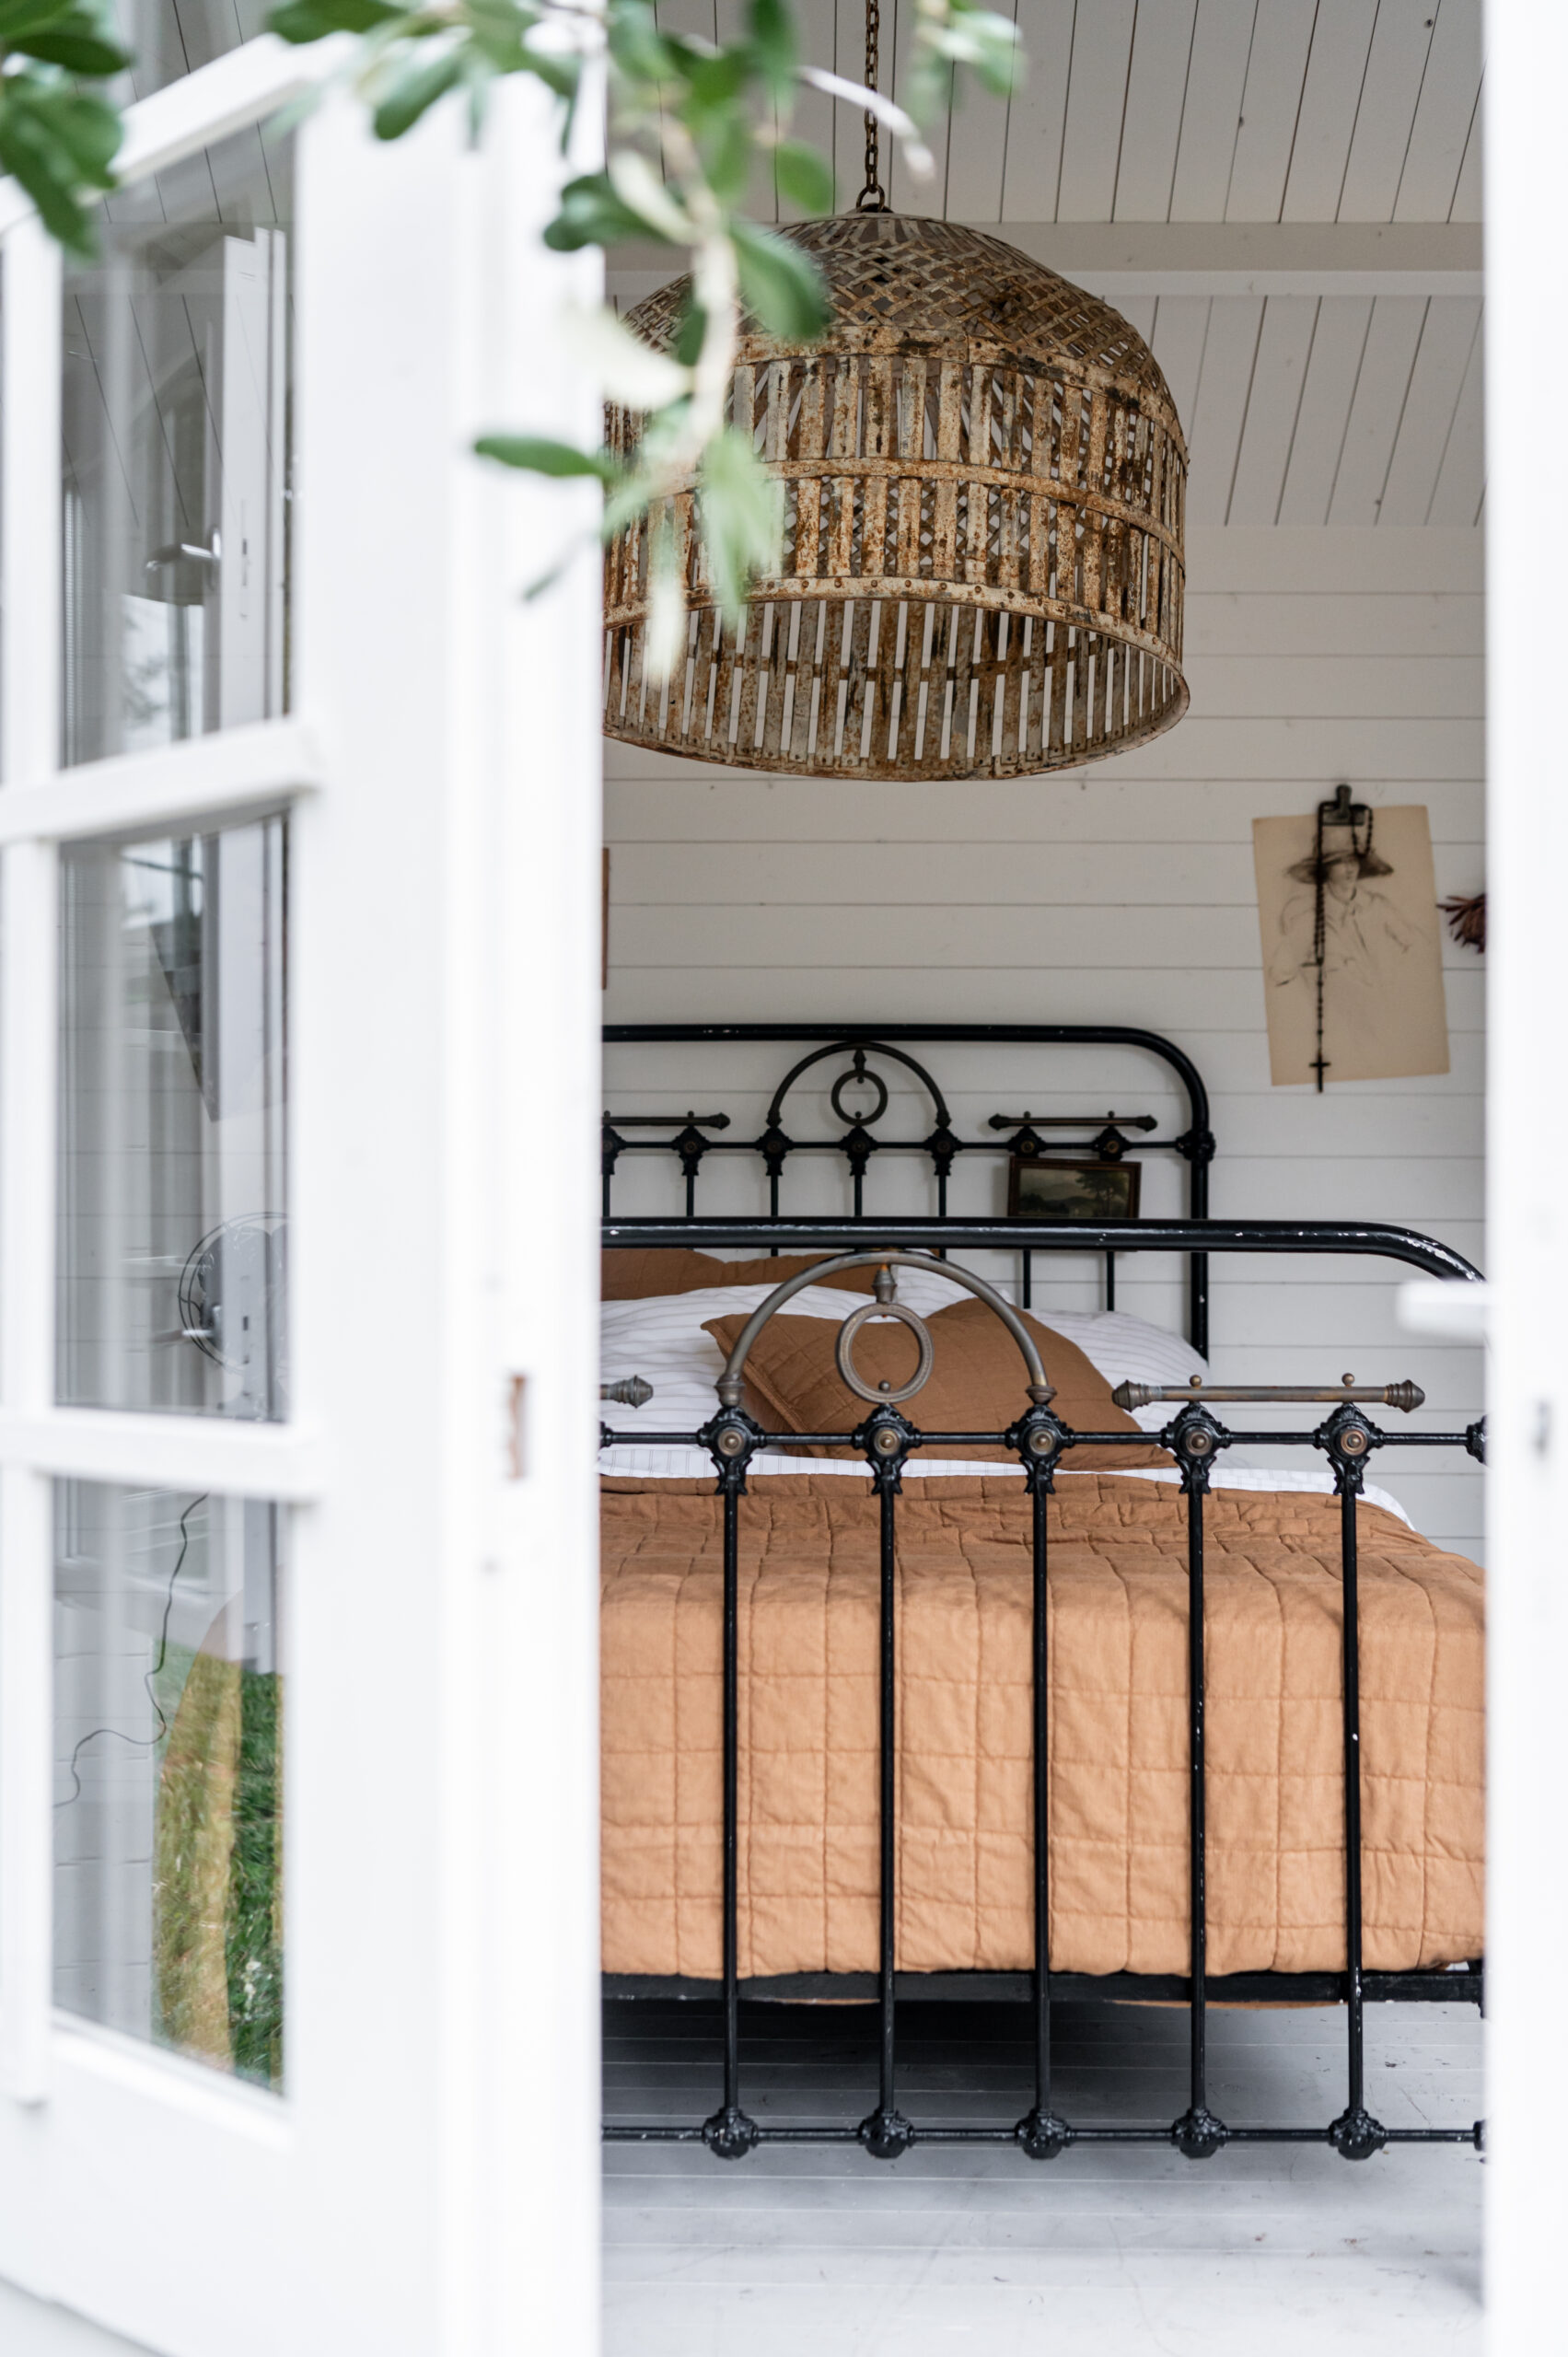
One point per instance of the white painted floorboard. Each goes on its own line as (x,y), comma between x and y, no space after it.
(805,2251)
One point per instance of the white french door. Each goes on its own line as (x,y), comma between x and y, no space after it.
(298,989)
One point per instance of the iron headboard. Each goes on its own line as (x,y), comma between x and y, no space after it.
(692,1138)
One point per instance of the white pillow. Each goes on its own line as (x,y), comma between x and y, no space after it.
(661,1338)
(1129,1349)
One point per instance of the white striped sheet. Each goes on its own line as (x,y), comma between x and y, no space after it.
(647,1464)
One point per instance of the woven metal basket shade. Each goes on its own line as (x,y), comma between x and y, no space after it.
(984,486)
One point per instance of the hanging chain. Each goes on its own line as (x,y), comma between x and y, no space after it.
(872,197)
(1363,850)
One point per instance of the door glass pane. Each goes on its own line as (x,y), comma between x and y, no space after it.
(171,38)
(176,456)
(172,1123)
(168,1770)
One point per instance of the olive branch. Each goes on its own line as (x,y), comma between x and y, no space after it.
(689,124)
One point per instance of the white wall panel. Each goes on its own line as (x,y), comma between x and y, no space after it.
(1124,894)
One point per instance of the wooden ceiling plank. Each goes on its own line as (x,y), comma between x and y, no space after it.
(1221,38)
(1157,83)
(1096,103)
(1278,380)
(977,150)
(1466,205)
(1341,41)
(905,193)
(1270,103)
(1038,112)
(1326,397)
(1181,324)
(1395,64)
(1213,430)
(1443,118)
(1461,476)
(814,113)
(1381,390)
(1436,380)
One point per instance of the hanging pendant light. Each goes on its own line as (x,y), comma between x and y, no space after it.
(984,482)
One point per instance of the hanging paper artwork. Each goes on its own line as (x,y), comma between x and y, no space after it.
(1353,957)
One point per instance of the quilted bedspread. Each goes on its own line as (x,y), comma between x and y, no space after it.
(1117,1730)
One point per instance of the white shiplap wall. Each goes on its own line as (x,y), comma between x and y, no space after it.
(1122,894)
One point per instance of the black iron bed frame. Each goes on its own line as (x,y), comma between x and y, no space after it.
(1347,1437)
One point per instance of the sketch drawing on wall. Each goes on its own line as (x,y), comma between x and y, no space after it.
(1352,966)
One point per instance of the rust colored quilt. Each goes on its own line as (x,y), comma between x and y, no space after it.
(1117,1730)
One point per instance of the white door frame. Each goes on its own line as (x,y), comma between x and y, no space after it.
(427,2184)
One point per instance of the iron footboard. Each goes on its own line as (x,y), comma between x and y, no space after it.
(1347,1438)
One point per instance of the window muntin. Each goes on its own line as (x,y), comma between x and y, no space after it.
(176,457)
(171,1288)
(169,1807)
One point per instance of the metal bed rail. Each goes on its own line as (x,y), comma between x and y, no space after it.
(1347,1438)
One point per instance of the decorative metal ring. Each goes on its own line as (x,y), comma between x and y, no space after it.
(855,1080)
(883,1394)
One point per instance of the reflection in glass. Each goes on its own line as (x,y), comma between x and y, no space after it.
(176,459)
(172,37)
(173,1139)
(168,1770)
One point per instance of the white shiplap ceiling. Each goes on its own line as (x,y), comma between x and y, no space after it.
(1310,396)
(1189,111)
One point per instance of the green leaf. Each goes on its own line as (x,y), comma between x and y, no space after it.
(780,285)
(415,93)
(76,37)
(592,214)
(688,335)
(83,53)
(636,45)
(773,42)
(742,512)
(58,143)
(726,155)
(537,455)
(306,20)
(805,178)
(717,82)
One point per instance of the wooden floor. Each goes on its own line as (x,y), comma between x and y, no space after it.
(805,2251)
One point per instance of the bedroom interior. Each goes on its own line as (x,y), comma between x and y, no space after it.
(1285,210)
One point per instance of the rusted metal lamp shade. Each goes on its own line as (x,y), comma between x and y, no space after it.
(984,486)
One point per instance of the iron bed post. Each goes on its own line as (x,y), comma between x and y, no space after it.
(887,1439)
(1197,1438)
(1350,1438)
(1040,1687)
(1039,1438)
(730,1439)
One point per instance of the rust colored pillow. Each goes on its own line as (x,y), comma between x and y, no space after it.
(978,1383)
(637,1274)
